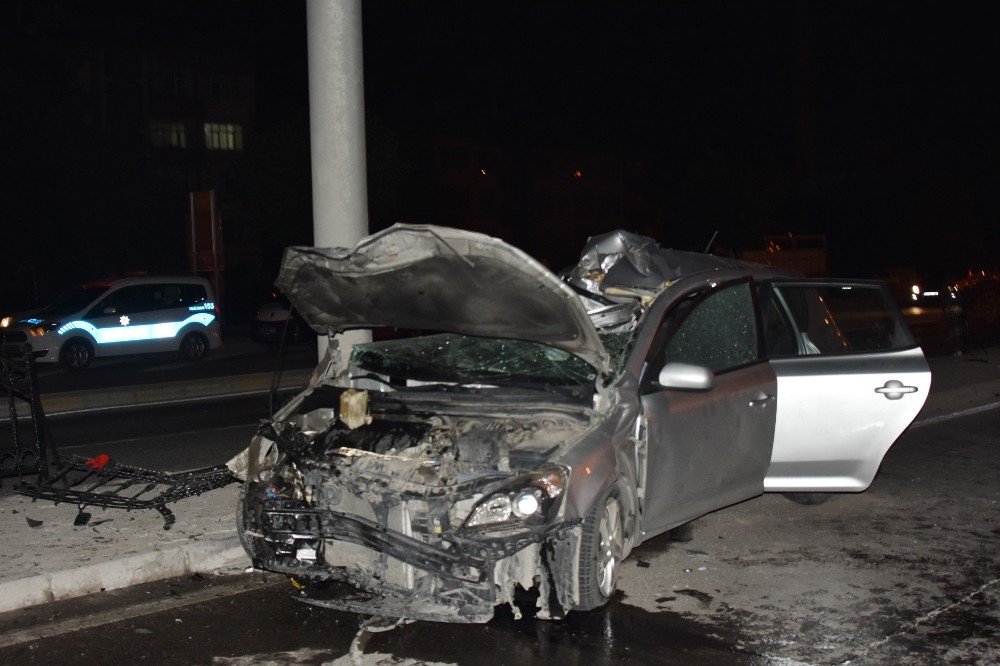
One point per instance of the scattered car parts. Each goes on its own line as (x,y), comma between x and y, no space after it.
(84,482)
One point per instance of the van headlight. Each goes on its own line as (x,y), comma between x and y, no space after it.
(36,331)
(5,322)
(529,499)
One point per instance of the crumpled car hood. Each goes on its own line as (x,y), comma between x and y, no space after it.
(440,279)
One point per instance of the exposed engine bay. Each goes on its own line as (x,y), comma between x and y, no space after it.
(394,504)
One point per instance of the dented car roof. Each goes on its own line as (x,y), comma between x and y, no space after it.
(436,278)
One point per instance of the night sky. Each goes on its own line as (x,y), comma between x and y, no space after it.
(872,123)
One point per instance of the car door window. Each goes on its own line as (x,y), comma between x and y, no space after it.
(124,301)
(779,334)
(715,329)
(833,319)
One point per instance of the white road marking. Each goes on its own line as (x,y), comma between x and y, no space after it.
(954,415)
(929,616)
(58,628)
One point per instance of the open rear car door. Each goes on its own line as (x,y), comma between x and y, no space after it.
(850,378)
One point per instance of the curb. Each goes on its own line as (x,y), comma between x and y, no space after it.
(196,556)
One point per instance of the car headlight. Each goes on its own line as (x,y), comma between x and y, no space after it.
(5,322)
(43,329)
(531,498)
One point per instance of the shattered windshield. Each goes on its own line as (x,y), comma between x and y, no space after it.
(469,360)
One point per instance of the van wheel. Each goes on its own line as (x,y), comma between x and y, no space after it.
(76,354)
(601,548)
(194,346)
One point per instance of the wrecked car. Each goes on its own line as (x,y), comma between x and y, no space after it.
(549,424)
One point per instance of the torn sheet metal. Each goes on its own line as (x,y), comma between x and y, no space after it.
(626,261)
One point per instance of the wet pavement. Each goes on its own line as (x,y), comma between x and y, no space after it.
(257,621)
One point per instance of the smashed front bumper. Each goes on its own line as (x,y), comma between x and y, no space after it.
(397,565)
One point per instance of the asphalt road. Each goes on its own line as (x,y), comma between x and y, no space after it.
(167,438)
(235,356)
(905,573)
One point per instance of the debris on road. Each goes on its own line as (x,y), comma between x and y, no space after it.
(85,482)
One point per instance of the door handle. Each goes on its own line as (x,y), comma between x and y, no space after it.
(761,400)
(894,389)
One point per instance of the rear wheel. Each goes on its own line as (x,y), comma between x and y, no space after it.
(809,499)
(76,354)
(601,548)
(194,346)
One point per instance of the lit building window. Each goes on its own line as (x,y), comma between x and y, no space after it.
(223,136)
(168,134)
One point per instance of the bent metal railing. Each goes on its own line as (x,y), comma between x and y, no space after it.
(85,482)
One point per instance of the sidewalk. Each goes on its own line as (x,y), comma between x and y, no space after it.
(45,557)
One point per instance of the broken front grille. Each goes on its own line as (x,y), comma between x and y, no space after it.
(286,519)
(85,482)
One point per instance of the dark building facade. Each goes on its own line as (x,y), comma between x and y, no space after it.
(110,118)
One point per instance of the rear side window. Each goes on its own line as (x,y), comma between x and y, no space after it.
(167,296)
(194,294)
(804,320)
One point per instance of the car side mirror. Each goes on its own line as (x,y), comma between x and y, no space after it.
(110,310)
(686,376)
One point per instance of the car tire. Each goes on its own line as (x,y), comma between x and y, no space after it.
(76,354)
(601,546)
(682,533)
(194,346)
(808,499)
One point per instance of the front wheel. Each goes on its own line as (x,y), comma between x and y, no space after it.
(601,548)
(194,346)
(76,354)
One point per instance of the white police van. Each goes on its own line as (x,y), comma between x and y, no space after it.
(134,315)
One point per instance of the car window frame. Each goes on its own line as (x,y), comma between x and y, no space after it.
(768,293)
(700,293)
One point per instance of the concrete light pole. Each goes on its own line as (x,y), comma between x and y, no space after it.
(337,129)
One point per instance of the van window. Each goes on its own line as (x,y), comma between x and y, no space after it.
(127,300)
(194,294)
(166,296)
